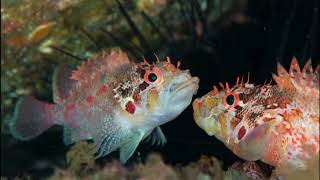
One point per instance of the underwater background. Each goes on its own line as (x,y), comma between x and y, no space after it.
(217,40)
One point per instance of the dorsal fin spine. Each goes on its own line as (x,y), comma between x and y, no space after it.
(305,81)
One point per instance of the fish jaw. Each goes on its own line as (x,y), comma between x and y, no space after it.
(184,92)
(182,95)
(203,116)
(173,100)
(190,85)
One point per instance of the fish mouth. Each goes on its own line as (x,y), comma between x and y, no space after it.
(192,82)
(198,107)
(203,117)
(202,108)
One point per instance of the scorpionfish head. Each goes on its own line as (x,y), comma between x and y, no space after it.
(156,93)
(233,116)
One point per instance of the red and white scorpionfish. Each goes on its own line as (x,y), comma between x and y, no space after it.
(277,124)
(111,101)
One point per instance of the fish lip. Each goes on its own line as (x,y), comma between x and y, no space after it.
(196,105)
(193,80)
(201,108)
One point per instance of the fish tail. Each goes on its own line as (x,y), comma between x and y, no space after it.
(31,118)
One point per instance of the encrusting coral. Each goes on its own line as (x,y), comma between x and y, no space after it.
(80,158)
(81,166)
(153,169)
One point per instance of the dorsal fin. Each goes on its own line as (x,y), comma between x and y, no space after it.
(305,81)
(307,69)
(317,72)
(281,70)
(294,68)
(99,64)
(61,83)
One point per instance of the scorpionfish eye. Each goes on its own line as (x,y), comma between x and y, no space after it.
(153,77)
(231,100)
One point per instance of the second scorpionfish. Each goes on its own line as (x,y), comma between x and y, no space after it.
(277,124)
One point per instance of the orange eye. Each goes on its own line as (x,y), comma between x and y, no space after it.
(231,100)
(153,76)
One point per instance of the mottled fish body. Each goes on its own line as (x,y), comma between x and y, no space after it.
(111,101)
(278,124)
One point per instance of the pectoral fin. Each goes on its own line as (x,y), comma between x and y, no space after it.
(109,140)
(157,137)
(130,145)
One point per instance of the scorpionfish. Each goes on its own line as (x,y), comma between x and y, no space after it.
(111,101)
(277,124)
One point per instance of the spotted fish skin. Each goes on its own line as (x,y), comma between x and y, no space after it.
(110,100)
(278,124)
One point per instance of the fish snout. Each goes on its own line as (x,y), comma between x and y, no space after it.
(201,114)
(195,81)
(203,107)
(185,85)
(198,106)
